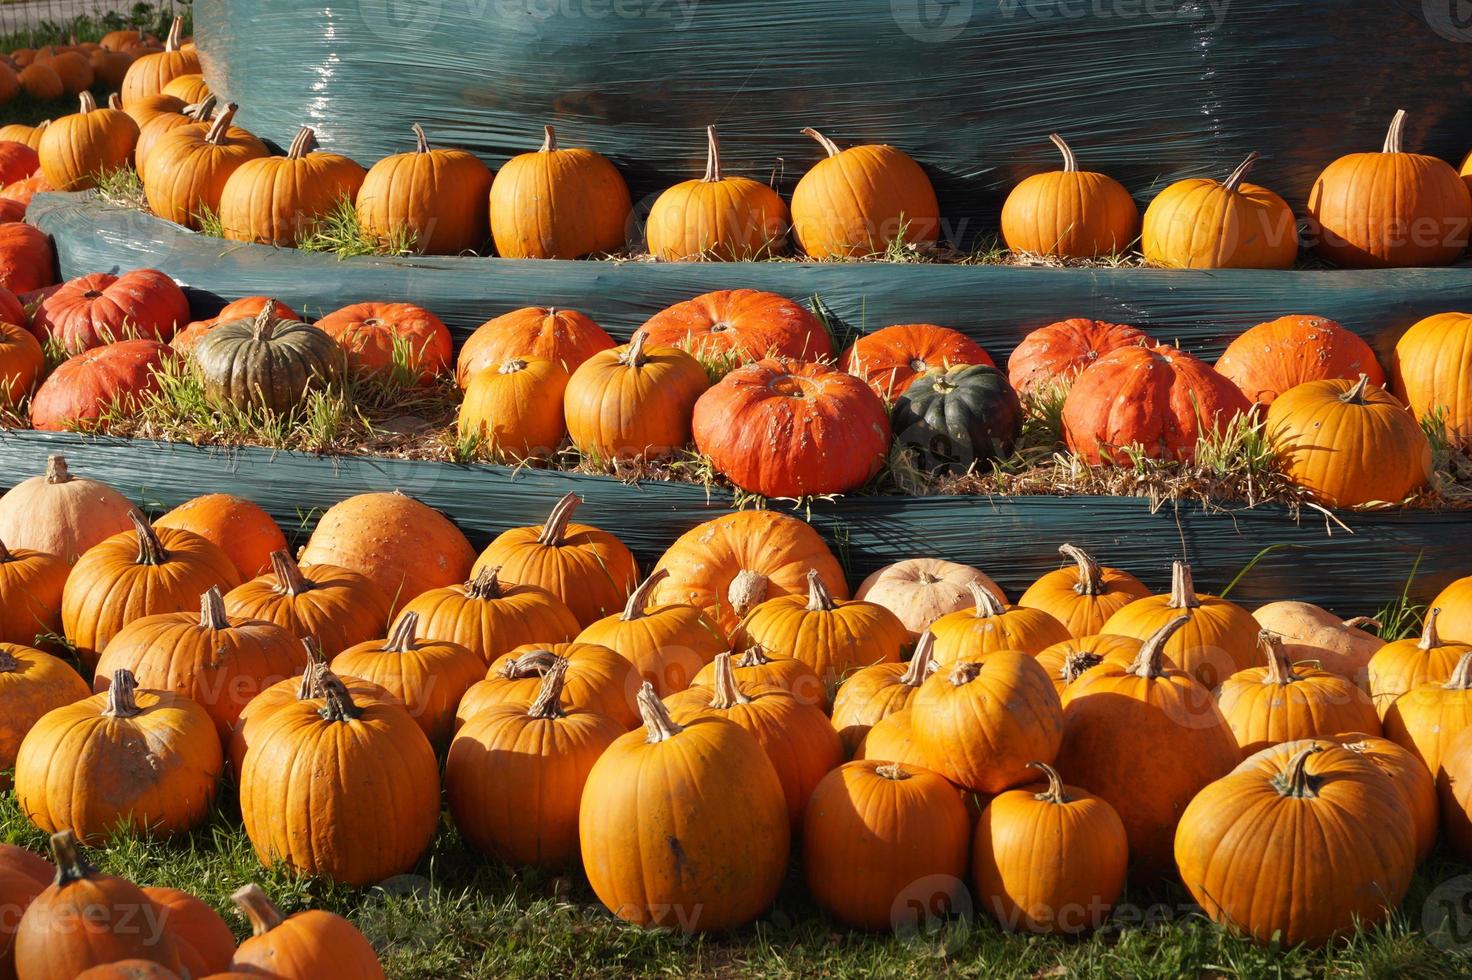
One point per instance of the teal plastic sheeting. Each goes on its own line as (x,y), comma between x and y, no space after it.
(1147,90)
(996,305)
(1013,539)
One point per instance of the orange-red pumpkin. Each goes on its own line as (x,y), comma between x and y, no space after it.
(101,308)
(739,326)
(1268,360)
(890,359)
(391,340)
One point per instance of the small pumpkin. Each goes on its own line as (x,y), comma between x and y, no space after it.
(1311,633)
(515,409)
(1403,665)
(280,200)
(436,195)
(1070,213)
(858,201)
(754,666)
(1431,371)
(265,362)
(1274,357)
(21,133)
(195,119)
(17,161)
(1426,719)
(891,359)
(741,325)
(149,73)
(101,308)
(668,644)
(41,82)
(959,419)
(989,625)
(559,203)
(1202,224)
(87,387)
(313,943)
(1083,597)
(633,401)
(30,595)
(77,151)
(61,514)
(871,694)
(833,637)
(1069,660)
(1455,603)
(240,527)
(390,339)
(566,338)
(492,617)
(189,167)
(334,607)
(32,684)
(190,87)
(27,259)
(597,679)
(892,739)
(717,217)
(921,590)
(204,941)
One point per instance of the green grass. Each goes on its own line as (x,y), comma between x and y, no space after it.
(153,18)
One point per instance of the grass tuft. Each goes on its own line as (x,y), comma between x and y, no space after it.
(339,232)
(122,188)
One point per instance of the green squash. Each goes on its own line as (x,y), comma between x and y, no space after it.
(958,417)
(266,362)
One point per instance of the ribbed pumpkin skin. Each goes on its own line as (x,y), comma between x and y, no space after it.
(1297,868)
(1070,213)
(891,359)
(1431,370)
(633,401)
(1069,660)
(727,219)
(437,194)
(369,333)
(279,200)
(515,408)
(1404,770)
(559,203)
(190,87)
(76,150)
(1056,353)
(1204,224)
(1349,444)
(31,583)
(240,527)
(988,626)
(313,943)
(1401,665)
(743,323)
(1427,719)
(336,608)
(144,108)
(668,645)
(265,362)
(22,361)
(564,337)
(959,418)
(87,385)
(149,73)
(872,831)
(1282,703)
(1273,357)
(597,679)
(1455,603)
(921,590)
(1084,595)
(27,259)
(832,637)
(196,119)
(491,617)
(792,428)
(61,514)
(204,941)
(32,683)
(289,691)
(1158,398)
(189,167)
(871,694)
(856,201)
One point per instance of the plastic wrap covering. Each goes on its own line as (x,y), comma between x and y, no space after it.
(1013,539)
(1147,90)
(996,305)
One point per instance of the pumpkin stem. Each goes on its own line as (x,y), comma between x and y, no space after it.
(926,578)
(56,471)
(1147,661)
(401,637)
(221,126)
(1395,137)
(175,36)
(308,688)
(819,598)
(1070,162)
(71,864)
(549,140)
(5,555)
(421,142)
(1356,395)
(1054,793)
(658,725)
(633,355)
(114,101)
(484,585)
(120,700)
(964,673)
(922,662)
(747,589)
(556,526)
(338,704)
(1461,679)
(548,702)
(1295,779)
(260,910)
(8,663)
(512,366)
(712,157)
(1089,576)
(829,147)
(265,322)
(1240,174)
(1359,622)
(1182,587)
(725,692)
(639,599)
(754,656)
(289,578)
(1430,640)
(1280,668)
(1076,663)
(987,604)
(201,110)
(303,143)
(150,548)
(891,770)
(534,663)
(212,610)
(87,102)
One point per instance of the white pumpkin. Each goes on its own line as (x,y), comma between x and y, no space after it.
(921,590)
(1312,633)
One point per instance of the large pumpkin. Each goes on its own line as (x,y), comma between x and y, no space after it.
(708,787)
(89,386)
(280,200)
(921,590)
(559,203)
(492,617)
(266,362)
(514,409)
(30,594)
(1070,213)
(241,528)
(1349,443)
(392,340)
(61,514)
(792,429)
(597,679)
(858,201)
(987,625)
(204,940)
(334,607)
(1454,601)
(1427,719)
(1273,357)
(739,326)
(1084,596)
(1388,209)
(871,694)
(32,683)
(101,308)
(717,217)
(149,73)
(81,149)
(189,167)
(1431,370)
(958,420)
(1311,633)
(566,338)
(194,118)
(668,644)
(633,401)
(754,666)
(1158,399)
(832,637)
(27,260)
(1202,224)
(437,196)
(313,943)
(1070,659)
(891,359)
(1402,665)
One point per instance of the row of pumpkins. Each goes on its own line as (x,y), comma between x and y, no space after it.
(679,733)
(131,61)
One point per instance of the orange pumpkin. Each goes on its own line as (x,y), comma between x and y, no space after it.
(871,694)
(437,196)
(515,409)
(147,107)
(41,82)
(78,150)
(204,941)
(109,68)
(1083,597)
(1427,719)
(990,625)
(491,617)
(280,200)
(1403,665)
(389,339)
(1070,213)
(1069,660)
(149,73)
(565,337)
(289,691)
(32,684)
(1202,224)
(1431,369)
(240,527)
(74,69)
(1268,360)
(313,943)
(1409,775)
(332,606)
(1455,603)
(633,401)
(195,119)
(597,679)
(857,201)
(889,360)
(755,667)
(892,739)
(667,644)
(559,203)
(717,217)
(189,167)
(191,87)
(31,584)
(740,325)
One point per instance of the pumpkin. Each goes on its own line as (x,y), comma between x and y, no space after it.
(491,617)
(892,739)
(1070,213)
(1389,209)
(17,891)
(149,107)
(791,429)
(597,679)
(856,202)
(194,119)
(739,326)
(204,941)
(565,337)
(1083,597)
(134,574)
(9,81)
(1158,399)
(833,637)
(668,644)
(335,607)
(437,196)
(1426,719)
(241,528)
(61,514)
(122,40)
(958,419)
(1405,771)
(77,151)
(756,668)
(280,200)
(218,663)
(515,774)
(1310,633)
(558,203)
(1069,660)
(13,313)
(515,409)
(386,803)
(17,161)
(1403,665)
(1049,858)
(428,676)
(87,387)
(871,694)
(190,87)
(1218,639)
(85,919)
(388,339)
(717,217)
(32,684)
(1274,357)
(27,260)
(109,68)
(872,832)
(684,826)
(15,859)
(74,69)
(12,211)
(101,308)
(891,359)
(123,762)
(41,82)
(728,565)
(305,685)
(248,308)
(30,595)
(23,190)
(265,362)
(29,135)
(189,167)
(1297,851)
(313,943)
(797,737)
(989,625)
(1283,703)
(1430,370)
(149,73)
(1201,224)
(1455,603)
(1453,790)
(633,401)
(921,590)
(1147,738)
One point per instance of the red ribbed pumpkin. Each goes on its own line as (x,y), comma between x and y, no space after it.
(387,338)
(86,386)
(101,308)
(27,260)
(889,360)
(1272,357)
(742,324)
(1055,354)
